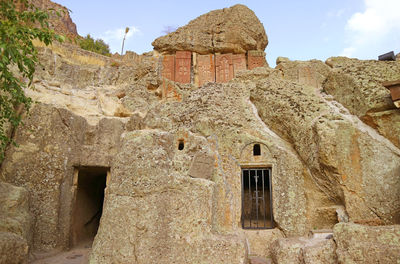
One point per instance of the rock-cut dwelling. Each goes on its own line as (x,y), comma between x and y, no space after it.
(199,152)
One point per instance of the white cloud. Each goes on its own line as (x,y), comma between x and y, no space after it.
(373,31)
(118,34)
(114,37)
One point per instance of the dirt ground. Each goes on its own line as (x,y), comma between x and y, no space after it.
(77,255)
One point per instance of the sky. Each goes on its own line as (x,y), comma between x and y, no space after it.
(297,29)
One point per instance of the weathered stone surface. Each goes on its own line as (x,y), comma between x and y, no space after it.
(239,62)
(223,68)
(321,252)
(52,142)
(202,166)
(168,204)
(281,59)
(223,113)
(15,224)
(358,86)
(183,61)
(168,70)
(302,250)
(235,29)
(293,111)
(14,211)
(311,73)
(362,81)
(287,251)
(256,58)
(170,92)
(61,24)
(167,215)
(13,249)
(367,244)
(206,68)
(386,123)
(260,241)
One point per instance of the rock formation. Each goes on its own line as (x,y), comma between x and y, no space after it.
(229,30)
(170,133)
(59,18)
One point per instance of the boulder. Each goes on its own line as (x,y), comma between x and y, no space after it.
(367,244)
(235,29)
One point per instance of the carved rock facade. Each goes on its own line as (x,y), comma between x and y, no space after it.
(165,138)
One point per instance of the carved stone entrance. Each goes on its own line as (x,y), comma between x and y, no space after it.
(89,184)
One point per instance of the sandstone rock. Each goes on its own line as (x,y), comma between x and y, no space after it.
(281,59)
(302,250)
(311,73)
(321,252)
(175,152)
(235,29)
(14,211)
(358,86)
(260,241)
(367,244)
(223,113)
(51,143)
(287,251)
(15,224)
(167,214)
(13,249)
(293,111)
(62,24)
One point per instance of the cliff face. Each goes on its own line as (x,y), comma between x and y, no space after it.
(62,24)
(175,135)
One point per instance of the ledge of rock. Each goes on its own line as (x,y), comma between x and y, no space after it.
(235,29)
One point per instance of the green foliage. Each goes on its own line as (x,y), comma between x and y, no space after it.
(98,45)
(18,28)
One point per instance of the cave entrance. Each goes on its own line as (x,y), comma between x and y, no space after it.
(89,186)
(257,198)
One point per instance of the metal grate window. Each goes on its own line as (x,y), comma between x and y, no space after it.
(256,198)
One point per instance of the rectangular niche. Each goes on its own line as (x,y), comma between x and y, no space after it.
(257,198)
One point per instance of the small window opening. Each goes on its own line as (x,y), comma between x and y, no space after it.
(88,205)
(256,150)
(256,199)
(181,145)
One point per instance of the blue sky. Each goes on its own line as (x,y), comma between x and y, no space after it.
(300,30)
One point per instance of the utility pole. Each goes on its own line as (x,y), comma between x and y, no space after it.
(123,41)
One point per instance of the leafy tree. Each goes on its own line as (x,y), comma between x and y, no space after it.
(98,45)
(19,26)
